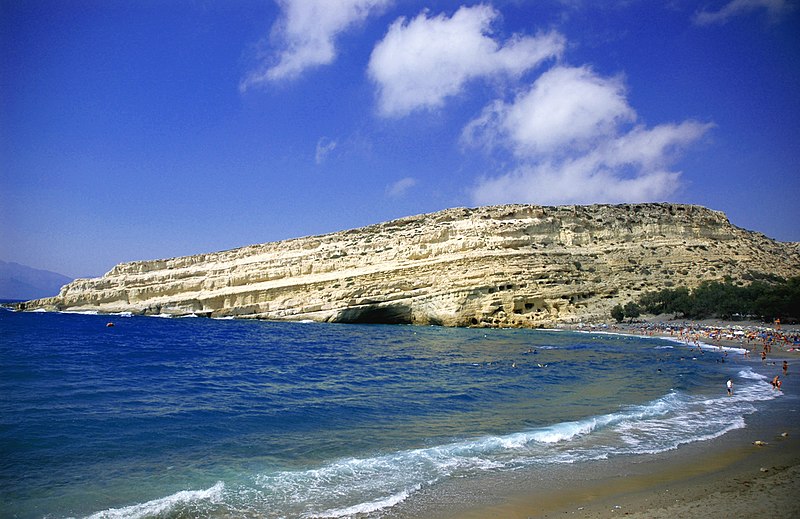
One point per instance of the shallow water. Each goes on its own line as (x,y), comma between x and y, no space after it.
(199,417)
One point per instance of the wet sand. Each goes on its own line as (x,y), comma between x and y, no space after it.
(727,477)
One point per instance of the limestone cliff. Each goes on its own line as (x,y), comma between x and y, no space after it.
(514,265)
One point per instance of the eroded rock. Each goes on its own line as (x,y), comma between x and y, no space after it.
(514,265)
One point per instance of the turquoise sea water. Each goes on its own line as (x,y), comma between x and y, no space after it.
(209,418)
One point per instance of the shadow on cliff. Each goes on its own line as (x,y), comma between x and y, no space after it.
(374,314)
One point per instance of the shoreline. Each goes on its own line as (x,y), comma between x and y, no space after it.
(749,335)
(727,477)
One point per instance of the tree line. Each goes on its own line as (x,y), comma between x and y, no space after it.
(763,299)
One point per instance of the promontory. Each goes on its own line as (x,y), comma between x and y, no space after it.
(511,265)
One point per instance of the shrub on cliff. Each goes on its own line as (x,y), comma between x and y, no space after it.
(631,310)
(763,299)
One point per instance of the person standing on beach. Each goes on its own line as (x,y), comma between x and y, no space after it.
(730,387)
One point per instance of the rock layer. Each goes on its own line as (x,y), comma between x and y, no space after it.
(514,265)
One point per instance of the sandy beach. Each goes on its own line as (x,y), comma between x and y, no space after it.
(750,472)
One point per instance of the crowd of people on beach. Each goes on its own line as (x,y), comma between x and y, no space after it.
(748,337)
(758,340)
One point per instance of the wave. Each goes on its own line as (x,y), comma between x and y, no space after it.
(366,508)
(678,340)
(704,345)
(164,505)
(365,487)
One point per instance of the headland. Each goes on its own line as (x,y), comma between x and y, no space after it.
(501,266)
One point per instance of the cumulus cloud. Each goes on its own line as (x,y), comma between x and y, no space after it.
(419,63)
(401,187)
(324,147)
(566,107)
(306,31)
(576,141)
(775,9)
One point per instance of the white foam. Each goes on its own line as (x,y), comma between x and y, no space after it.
(704,345)
(567,430)
(159,506)
(660,425)
(751,375)
(366,508)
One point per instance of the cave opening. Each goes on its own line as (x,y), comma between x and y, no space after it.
(392,314)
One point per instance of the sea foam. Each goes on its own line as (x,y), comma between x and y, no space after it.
(213,495)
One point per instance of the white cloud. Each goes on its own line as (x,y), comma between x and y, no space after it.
(401,187)
(573,182)
(775,9)
(572,135)
(567,107)
(307,30)
(324,147)
(421,62)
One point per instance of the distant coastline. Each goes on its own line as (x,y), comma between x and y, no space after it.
(22,283)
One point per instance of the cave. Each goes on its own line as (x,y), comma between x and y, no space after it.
(373,314)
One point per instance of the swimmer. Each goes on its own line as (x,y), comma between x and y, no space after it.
(785,367)
(729,385)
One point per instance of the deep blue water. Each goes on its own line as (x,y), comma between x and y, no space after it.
(199,417)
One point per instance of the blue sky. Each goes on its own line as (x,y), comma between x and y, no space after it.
(152,129)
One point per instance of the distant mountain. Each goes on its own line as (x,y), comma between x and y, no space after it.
(21,282)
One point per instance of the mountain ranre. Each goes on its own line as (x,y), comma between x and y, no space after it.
(512,265)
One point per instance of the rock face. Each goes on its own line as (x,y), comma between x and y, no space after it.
(514,265)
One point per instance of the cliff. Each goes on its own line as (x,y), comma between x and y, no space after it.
(514,265)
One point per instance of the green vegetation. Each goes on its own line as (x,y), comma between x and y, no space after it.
(764,298)
(630,310)
(618,313)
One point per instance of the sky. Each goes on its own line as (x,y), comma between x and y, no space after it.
(162,128)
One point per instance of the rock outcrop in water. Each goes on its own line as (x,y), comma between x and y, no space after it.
(514,265)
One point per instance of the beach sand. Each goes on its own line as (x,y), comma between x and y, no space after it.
(727,477)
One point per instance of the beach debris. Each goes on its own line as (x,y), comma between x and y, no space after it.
(784,434)
(759,443)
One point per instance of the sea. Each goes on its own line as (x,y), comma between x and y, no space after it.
(197,417)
